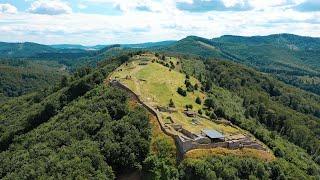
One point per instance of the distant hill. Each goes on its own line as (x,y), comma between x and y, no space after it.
(19,77)
(26,49)
(283,49)
(193,45)
(292,58)
(258,51)
(34,50)
(100,47)
(148,44)
(283,40)
(78,46)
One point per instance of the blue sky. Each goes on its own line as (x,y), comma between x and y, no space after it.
(91,22)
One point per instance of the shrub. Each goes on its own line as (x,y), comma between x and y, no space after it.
(278,152)
(213,116)
(171,104)
(196,86)
(189,106)
(209,103)
(198,100)
(181,92)
(220,112)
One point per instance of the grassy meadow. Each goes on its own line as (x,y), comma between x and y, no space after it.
(156,84)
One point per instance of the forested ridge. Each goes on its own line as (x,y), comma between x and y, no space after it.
(42,70)
(274,112)
(19,77)
(292,59)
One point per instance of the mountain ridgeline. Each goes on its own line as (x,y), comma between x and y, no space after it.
(292,59)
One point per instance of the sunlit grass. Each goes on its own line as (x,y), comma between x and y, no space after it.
(158,84)
(245,152)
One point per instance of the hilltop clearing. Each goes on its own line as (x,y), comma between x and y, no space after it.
(182,114)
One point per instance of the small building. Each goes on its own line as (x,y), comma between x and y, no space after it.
(190,113)
(213,135)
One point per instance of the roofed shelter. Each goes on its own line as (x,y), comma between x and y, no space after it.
(213,135)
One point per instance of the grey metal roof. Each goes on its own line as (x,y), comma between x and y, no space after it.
(213,134)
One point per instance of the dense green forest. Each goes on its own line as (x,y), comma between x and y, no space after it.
(34,50)
(26,73)
(274,112)
(19,77)
(83,128)
(94,117)
(63,122)
(94,136)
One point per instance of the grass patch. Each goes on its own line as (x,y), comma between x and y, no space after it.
(245,152)
(157,84)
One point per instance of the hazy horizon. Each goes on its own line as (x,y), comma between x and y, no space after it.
(92,22)
(56,44)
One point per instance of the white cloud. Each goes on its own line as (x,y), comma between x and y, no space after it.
(163,22)
(8,8)
(50,7)
(82,6)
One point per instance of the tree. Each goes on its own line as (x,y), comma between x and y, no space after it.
(64,82)
(210,104)
(172,66)
(208,86)
(278,152)
(189,86)
(198,100)
(213,116)
(181,92)
(124,58)
(220,112)
(171,104)
(189,106)
(196,86)
(252,111)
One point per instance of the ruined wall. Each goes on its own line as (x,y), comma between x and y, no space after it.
(188,133)
(153,111)
(187,145)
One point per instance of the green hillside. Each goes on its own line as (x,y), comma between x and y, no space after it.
(24,73)
(23,49)
(286,56)
(80,127)
(34,50)
(271,110)
(19,77)
(86,129)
